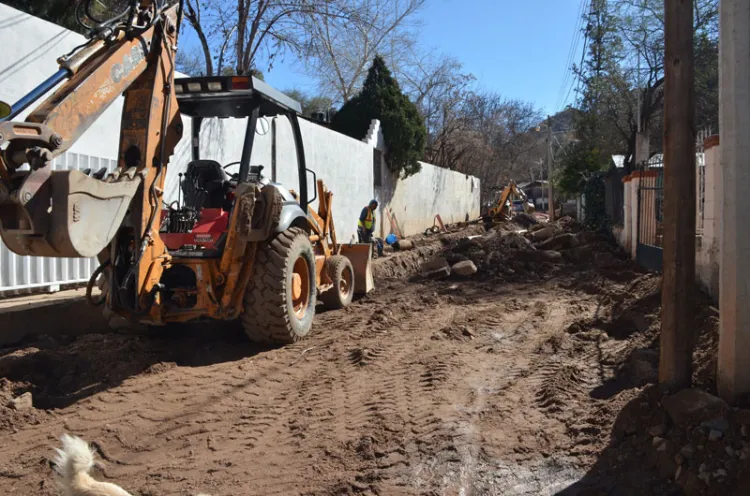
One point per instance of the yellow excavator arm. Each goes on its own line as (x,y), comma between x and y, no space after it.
(71,214)
(501,210)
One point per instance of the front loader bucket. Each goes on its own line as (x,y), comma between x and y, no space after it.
(68,214)
(360,255)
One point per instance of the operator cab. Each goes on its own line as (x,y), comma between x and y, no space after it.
(196,224)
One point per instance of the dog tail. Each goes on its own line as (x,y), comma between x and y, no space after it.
(74,458)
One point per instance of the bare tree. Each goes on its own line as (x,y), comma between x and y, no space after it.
(190,62)
(438,86)
(239,33)
(344,41)
(194,16)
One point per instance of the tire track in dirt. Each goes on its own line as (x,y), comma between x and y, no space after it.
(424,388)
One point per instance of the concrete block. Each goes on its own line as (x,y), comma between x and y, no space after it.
(692,405)
(464,268)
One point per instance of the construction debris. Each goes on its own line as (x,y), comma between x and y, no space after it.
(436,268)
(23,402)
(403,244)
(464,268)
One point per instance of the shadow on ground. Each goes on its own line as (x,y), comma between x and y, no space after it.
(629,465)
(61,370)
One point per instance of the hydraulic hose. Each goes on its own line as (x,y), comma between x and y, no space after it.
(90,286)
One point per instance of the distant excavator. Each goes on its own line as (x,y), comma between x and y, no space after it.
(503,209)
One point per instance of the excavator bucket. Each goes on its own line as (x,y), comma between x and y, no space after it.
(65,214)
(360,255)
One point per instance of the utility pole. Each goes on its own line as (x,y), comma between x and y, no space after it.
(550,202)
(678,280)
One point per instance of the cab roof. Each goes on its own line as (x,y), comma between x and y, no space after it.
(231,96)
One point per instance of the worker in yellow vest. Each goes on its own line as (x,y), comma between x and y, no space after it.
(366,225)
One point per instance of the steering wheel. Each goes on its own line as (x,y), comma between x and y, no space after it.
(236,175)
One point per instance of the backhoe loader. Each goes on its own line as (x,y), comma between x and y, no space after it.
(238,245)
(503,208)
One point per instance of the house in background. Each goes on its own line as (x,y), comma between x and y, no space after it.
(537,193)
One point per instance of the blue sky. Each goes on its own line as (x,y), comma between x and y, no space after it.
(518,48)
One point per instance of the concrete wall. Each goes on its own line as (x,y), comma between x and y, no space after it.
(417,199)
(707,255)
(30,48)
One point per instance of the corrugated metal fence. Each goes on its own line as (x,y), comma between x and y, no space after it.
(23,275)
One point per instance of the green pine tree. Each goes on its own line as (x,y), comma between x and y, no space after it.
(403,127)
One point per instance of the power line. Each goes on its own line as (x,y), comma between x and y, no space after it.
(568,71)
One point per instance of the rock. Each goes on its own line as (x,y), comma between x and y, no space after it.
(657,430)
(544,233)
(692,405)
(658,441)
(715,435)
(23,402)
(716,424)
(524,219)
(687,451)
(745,430)
(465,268)
(439,273)
(434,264)
(466,244)
(403,244)
(730,451)
(662,447)
(539,256)
(643,366)
(454,258)
(678,472)
(702,469)
(679,459)
(436,269)
(514,241)
(559,242)
(705,477)
(720,472)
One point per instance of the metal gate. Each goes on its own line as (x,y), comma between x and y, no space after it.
(650,218)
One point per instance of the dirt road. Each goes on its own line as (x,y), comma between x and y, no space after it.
(506,383)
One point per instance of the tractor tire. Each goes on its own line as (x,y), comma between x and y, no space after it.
(279,303)
(342,274)
(116,322)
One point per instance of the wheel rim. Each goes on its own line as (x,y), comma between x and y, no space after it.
(345,285)
(300,287)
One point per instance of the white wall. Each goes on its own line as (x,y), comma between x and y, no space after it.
(30,48)
(417,199)
(344,164)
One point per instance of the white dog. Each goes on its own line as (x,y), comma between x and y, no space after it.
(73,464)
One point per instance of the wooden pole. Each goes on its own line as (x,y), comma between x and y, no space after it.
(678,282)
(550,193)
